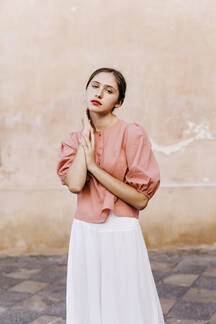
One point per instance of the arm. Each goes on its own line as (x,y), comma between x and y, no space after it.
(76,174)
(120,189)
(72,167)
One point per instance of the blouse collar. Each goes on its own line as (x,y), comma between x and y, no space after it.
(108,128)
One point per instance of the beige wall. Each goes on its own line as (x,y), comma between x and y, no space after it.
(166,50)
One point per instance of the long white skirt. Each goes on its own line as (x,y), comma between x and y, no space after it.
(109,277)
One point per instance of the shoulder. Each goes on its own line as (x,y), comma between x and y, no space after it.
(135,131)
(72,138)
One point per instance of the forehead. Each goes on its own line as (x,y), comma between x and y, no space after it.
(106,78)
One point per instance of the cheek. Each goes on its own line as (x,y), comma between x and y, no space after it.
(88,94)
(114,100)
(111,100)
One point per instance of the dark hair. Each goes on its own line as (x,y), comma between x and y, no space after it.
(119,79)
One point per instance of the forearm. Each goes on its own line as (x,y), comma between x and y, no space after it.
(76,174)
(120,189)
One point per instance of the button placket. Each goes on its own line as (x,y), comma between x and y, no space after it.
(99,148)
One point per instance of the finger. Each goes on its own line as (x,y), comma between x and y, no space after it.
(86,141)
(92,138)
(84,137)
(82,141)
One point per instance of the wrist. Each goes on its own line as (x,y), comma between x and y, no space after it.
(93,167)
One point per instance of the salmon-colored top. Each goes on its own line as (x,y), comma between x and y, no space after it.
(124,151)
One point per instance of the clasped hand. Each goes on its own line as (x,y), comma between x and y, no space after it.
(88,141)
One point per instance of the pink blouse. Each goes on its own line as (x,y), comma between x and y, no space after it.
(124,151)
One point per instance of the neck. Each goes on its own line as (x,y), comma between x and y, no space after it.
(100,122)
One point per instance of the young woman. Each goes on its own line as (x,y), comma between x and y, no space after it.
(110,165)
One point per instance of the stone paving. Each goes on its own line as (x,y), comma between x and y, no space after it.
(33,287)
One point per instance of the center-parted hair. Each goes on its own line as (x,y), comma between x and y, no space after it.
(119,79)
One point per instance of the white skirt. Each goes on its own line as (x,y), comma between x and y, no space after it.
(109,277)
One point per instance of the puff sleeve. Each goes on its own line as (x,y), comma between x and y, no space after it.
(67,152)
(143,171)
(66,155)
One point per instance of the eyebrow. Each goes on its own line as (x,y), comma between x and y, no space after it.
(105,84)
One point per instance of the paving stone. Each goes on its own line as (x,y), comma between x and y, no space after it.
(213,318)
(200,295)
(164,258)
(211,272)
(29,286)
(55,290)
(2,309)
(159,275)
(166,304)
(63,281)
(6,268)
(58,267)
(213,262)
(48,320)
(205,282)
(182,321)
(185,267)
(190,252)
(35,261)
(162,266)
(8,282)
(36,303)
(192,310)
(180,279)
(15,316)
(22,273)
(48,275)
(58,309)
(171,291)
(14,263)
(8,298)
(198,260)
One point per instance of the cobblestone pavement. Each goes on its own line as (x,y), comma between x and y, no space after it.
(33,287)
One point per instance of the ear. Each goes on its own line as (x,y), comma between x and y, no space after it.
(117,105)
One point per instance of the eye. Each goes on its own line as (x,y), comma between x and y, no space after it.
(109,91)
(94,86)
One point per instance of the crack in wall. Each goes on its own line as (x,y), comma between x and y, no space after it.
(201,132)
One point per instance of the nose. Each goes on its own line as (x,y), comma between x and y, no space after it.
(99,93)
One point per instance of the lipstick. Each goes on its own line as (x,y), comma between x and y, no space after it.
(96,102)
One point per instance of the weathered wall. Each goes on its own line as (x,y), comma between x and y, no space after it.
(166,50)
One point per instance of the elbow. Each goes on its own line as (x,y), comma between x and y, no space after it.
(74,190)
(77,189)
(143,202)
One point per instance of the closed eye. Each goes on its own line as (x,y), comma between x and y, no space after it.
(96,86)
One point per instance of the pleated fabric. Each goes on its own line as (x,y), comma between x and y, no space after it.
(109,277)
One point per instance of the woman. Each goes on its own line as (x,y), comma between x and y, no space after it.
(110,165)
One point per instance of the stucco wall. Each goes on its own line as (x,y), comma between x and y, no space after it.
(166,50)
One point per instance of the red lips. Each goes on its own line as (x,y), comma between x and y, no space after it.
(96,102)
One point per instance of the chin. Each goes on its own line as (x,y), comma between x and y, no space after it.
(94,108)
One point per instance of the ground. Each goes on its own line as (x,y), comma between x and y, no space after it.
(33,287)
